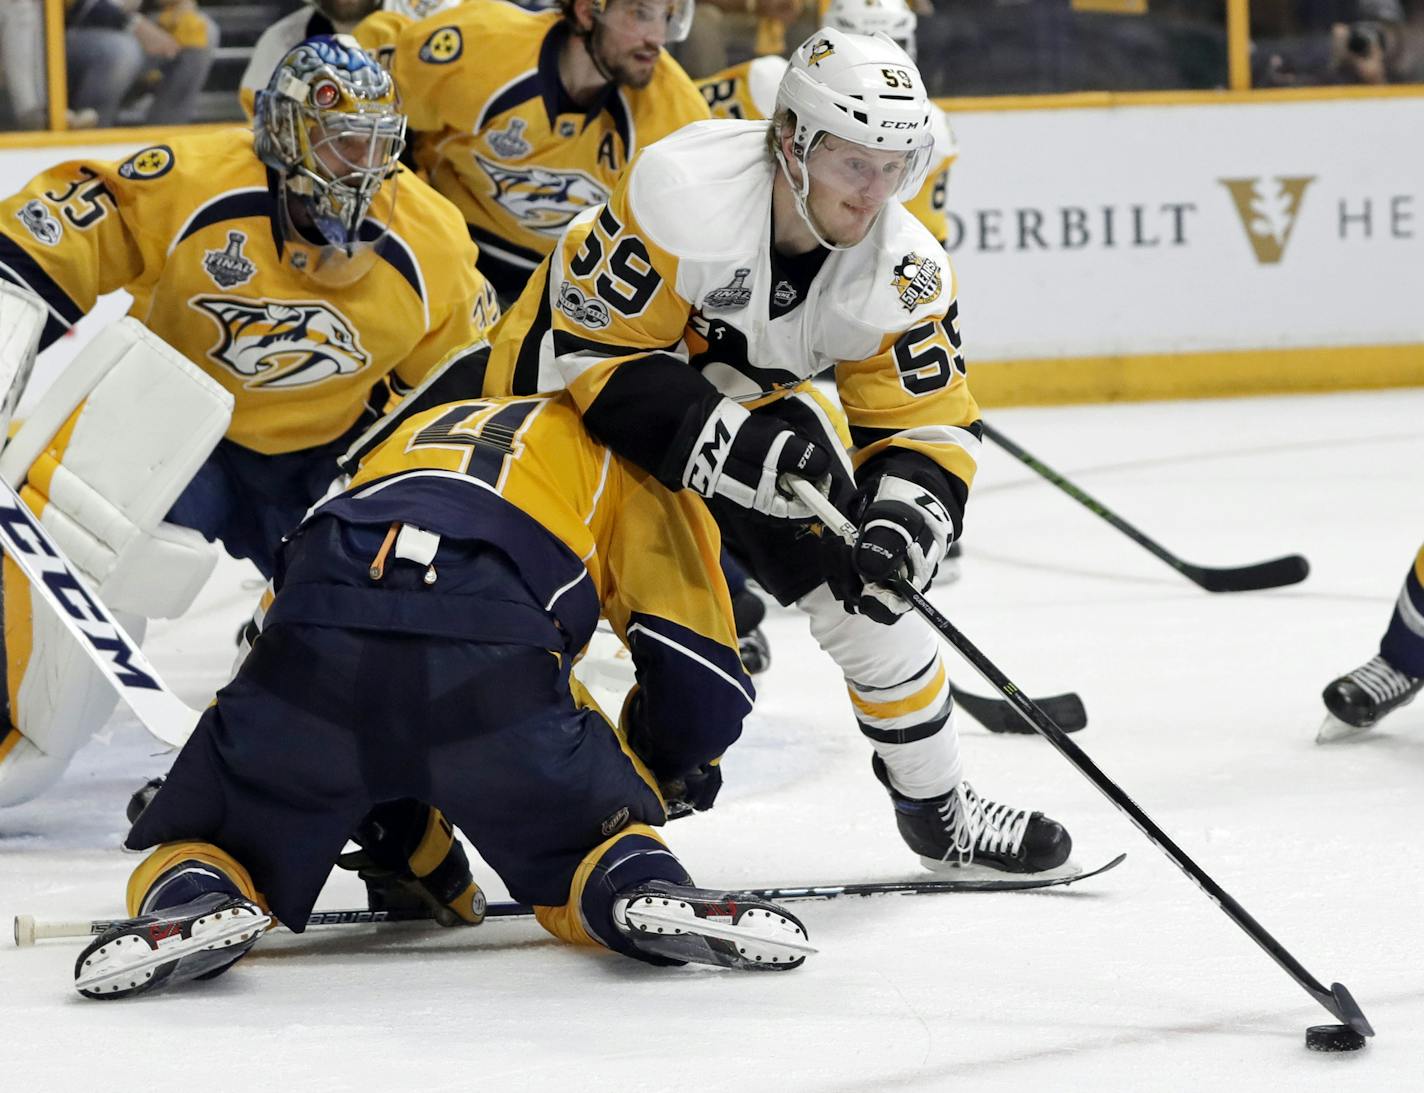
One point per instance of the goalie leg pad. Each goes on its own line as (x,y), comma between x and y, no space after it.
(105,453)
(55,698)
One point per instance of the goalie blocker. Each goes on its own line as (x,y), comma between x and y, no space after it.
(100,461)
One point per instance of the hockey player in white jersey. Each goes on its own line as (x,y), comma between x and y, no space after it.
(733,262)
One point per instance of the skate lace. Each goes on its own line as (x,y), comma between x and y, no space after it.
(1381,680)
(977,824)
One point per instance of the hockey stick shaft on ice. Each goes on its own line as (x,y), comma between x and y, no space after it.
(28,929)
(25,542)
(1290,569)
(1335,999)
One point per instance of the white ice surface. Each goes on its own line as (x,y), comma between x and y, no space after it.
(1203,707)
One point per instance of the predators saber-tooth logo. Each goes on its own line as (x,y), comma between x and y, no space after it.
(1268,212)
(542,200)
(916,280)
(279,344)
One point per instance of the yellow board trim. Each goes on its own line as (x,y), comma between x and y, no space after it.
(1226,374)
(1098,100)
(138,134)
(1419,566)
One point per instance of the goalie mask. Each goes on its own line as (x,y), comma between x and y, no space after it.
(892,18)
(328,123)
(859,123)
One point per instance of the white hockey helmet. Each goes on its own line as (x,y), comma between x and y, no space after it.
(892,18)
(863,89)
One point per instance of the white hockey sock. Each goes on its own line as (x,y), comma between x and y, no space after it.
(927,768)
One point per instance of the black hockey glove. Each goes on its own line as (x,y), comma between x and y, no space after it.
(739,456)
(411,861)
(692,792)
(905,528)
(683,793)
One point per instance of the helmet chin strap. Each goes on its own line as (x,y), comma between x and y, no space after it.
(801,191)
(591,45)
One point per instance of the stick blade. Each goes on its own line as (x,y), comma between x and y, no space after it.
(1348,1010)
(996,715)
(1277,573)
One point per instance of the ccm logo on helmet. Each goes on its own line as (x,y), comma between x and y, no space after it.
(898,124)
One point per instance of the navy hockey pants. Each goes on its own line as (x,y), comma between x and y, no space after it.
(324,721)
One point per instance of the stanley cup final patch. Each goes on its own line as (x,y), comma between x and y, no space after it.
(916,281)
(229,267)
(733,295)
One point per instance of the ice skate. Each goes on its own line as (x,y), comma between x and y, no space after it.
(960,828)
(1358,699)
(725,929)
(193,940)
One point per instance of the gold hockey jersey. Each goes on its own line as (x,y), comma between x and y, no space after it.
(643,311)
(496,134)
(590,534)
(748,91)
(188,229)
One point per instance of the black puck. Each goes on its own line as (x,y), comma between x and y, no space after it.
(1333,1038)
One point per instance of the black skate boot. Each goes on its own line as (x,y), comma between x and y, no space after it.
(193,940)
(1360,698)
(748,612)
(960,828)
(725,929)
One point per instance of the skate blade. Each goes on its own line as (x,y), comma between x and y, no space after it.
(129,962)
(1332,730)
(761,937)
(977,871)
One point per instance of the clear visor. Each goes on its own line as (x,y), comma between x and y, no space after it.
(865,177)
(662,20)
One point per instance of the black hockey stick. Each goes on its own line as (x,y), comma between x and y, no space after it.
(1291,569)
(998,716)
(1336,1000)
(28,930)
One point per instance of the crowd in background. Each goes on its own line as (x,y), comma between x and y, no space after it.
(165,62)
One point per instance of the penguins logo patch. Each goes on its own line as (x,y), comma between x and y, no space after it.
(442,47)
(820,50)
(148,164)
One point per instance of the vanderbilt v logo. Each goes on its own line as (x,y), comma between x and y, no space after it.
(1268,211)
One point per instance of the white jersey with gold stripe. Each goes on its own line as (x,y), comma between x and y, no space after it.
(677,270)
